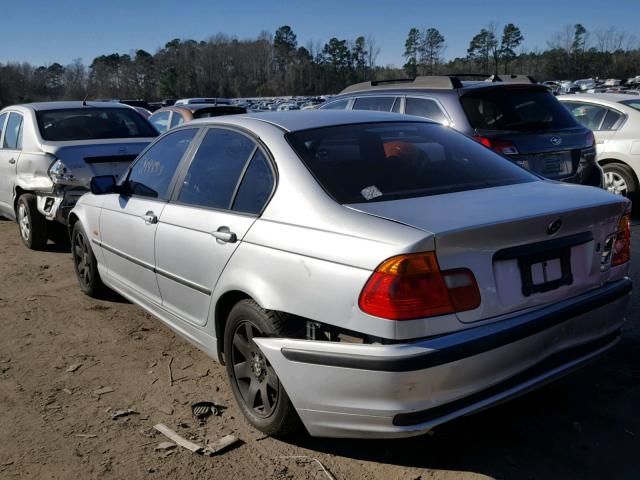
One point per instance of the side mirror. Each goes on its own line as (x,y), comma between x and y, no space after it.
(103,184)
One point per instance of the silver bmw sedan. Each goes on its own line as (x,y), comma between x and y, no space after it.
(361,274)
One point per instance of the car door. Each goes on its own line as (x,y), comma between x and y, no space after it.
(10,150)
(128,221)
(216,200)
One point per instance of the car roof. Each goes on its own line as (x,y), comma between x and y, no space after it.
(297,120)
(194,107)
(39,106)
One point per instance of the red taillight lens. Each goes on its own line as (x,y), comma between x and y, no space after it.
(411,286)
(501,146)
(622,242)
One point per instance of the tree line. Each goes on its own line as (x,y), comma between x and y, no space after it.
(276,64)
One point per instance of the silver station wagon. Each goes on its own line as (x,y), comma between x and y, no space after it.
(362,274)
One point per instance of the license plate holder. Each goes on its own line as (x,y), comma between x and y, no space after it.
(525,263)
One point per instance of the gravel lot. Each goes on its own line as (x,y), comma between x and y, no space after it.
(53,424)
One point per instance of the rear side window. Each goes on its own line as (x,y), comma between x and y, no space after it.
(216,168)
(514,108)
(379,104)
(92,123)
(152,173)
(176,119)
(337,105)
(256,186)
(423,107)
(588,114)
(3,117)
(611,120)
(160,121)
(387,161)
(13,132)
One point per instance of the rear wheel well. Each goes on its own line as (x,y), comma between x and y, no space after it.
(223,307)
(73,218)
(609,161)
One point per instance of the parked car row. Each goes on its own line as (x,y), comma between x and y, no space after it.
(360,271)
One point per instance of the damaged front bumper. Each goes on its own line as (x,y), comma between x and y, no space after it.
(57,204)
(400,390)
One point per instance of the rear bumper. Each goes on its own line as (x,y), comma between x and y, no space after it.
(386,391)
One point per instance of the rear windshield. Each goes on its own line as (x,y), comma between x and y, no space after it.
(92,123)
(217,112)
(385,161)
(632,103)
(509,109)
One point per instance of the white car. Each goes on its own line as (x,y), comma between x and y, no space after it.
(615,121)
(48,153)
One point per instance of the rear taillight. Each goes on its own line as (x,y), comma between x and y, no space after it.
(622,242)
(412,286)
(591,140)
(501,146)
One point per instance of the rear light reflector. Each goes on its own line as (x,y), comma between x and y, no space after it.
(501,146)
(622,242)
(412,286)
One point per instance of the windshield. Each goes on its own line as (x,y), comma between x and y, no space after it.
(635,104)
(385,161)
(91,123)
(503,109)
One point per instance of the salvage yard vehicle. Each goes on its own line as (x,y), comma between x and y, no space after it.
(365,274)
(510,114)
(615,122)
(49,153)
(172,116)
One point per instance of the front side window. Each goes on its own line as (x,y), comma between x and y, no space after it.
(13,132)
(160,121)
(387,161)
(215,169)
(256,186)
(176,119)
(379,104)
(424,107)
(92,123)
(635,104)
(152,173)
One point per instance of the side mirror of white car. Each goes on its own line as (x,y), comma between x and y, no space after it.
(104,184)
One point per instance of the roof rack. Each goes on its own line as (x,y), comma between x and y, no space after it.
(511,79)
(439,82)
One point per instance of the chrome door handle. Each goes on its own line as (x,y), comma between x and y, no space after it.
(150,218)
(12,161)
(224,235)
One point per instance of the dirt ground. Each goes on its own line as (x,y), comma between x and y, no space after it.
(53,424)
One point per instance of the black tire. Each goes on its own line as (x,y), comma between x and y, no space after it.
(251,376)
(618,172)
(31,223)
(84,264)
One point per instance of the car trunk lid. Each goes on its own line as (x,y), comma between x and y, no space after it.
(527,245)
(90,158)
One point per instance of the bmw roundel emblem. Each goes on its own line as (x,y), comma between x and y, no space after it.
(554,226)
(555,141)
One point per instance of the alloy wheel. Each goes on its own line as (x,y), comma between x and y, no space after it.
(23,222)
(615,183)
(255,377)
(81,259)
